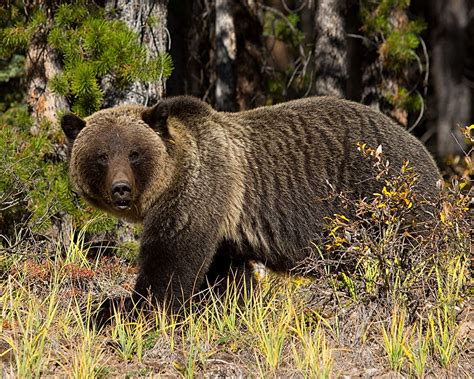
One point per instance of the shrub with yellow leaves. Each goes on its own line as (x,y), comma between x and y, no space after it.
(383,247)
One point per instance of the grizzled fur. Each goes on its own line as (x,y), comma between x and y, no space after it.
(218,189)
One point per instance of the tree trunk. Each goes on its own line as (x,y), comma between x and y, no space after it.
(453,95)
(249,61)
(193,48)
(330,49)
(42,64)
(226,53)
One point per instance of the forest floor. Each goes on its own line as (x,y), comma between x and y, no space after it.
(288,326)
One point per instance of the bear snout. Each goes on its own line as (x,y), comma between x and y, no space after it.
(122,194)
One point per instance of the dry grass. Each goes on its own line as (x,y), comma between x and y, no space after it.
(278,331)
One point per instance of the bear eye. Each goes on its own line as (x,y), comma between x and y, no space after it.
(134,156)
(102,159)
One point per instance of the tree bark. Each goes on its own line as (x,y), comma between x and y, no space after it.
(42,64)
(453,95)
(191,25)
(226,53)
(330,49)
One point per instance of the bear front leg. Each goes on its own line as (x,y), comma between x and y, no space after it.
(171,270)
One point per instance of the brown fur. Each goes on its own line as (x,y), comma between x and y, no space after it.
(217,189)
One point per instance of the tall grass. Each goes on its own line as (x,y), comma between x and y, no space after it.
(274,330)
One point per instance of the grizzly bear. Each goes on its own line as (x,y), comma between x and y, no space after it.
(215,190)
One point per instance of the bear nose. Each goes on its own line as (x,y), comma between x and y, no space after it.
(121,190)
(122,194)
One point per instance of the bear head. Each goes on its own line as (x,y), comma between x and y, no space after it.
(119,158)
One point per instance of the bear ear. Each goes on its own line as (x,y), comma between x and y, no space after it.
(157,118)
(72,125)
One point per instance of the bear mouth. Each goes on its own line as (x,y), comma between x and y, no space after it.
(123,204)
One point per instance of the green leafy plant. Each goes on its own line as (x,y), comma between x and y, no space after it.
(93,47)
(283,27)
(34,187)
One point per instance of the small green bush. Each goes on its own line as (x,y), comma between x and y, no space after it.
(34,185)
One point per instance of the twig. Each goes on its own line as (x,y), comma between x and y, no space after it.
(422,111)
(287,8)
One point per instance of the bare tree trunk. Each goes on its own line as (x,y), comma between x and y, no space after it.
(200,60)
(42,64)
(193,47)
(226,53)
(453,96)
(330,49)
(249,61)
(192,27)
(148,19)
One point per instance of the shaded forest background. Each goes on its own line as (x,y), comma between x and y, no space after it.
(411,59)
